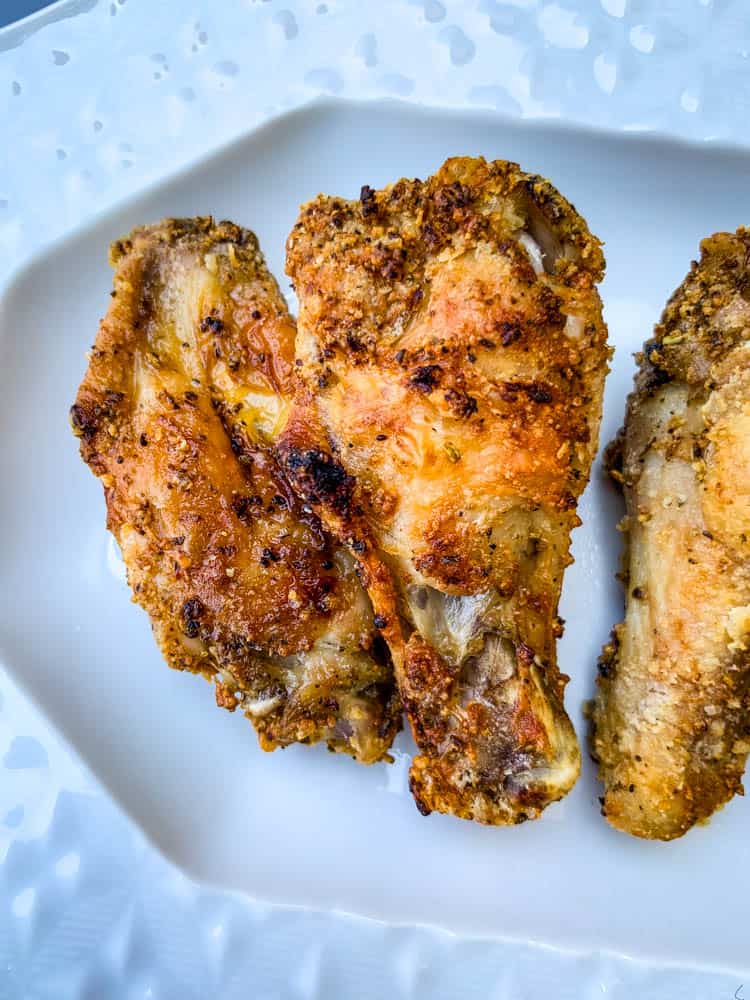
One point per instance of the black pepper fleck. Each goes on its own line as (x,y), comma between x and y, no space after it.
(212,323)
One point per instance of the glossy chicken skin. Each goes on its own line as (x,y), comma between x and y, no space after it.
(672,716)
(187,386)
(453,356)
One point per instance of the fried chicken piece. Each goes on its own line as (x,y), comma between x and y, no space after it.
(453,356)
(672,714)
(188,383)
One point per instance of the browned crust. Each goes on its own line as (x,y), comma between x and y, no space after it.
(239,579)
(445,431)
(672,715)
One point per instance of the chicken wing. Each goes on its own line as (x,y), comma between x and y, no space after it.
(188,383)
(453,356)
(672,715)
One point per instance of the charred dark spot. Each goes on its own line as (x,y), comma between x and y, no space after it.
(533,390)
(400,355)
(178,540)
(143,440)
(455,195)
(538,393)
(256,314)
(321,478)
(192,612)
(388,261)
(509,333)
(354,343)
(191,397)
(212,324)
(653,374)
(326,564)
(381,437)
(426,378)
(268,556)
(486,342)
(241,507)
(380,621)
(638,593)
(367,200)
(429,236)
(461,402)
(358,546)
(83,421)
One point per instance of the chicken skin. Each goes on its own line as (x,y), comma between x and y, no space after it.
(672,715)
(452,357)
(188,384)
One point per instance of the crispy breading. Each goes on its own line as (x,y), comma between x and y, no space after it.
(188,383)
(672,715)
(453,356)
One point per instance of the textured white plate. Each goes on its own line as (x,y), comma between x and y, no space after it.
(303,826)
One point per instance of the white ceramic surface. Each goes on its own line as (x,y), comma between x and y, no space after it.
(98,99)
(303,826)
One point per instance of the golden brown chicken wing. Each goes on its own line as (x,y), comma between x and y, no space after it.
(672,716)
(453,355)
(188,383)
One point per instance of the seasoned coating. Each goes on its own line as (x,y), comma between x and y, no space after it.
(453,356)
(672,715)
(188,383)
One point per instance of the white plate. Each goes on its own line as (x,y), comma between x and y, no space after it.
(303,826)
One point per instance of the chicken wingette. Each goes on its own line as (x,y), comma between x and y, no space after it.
(672,714)
(188,383)
(453,357)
